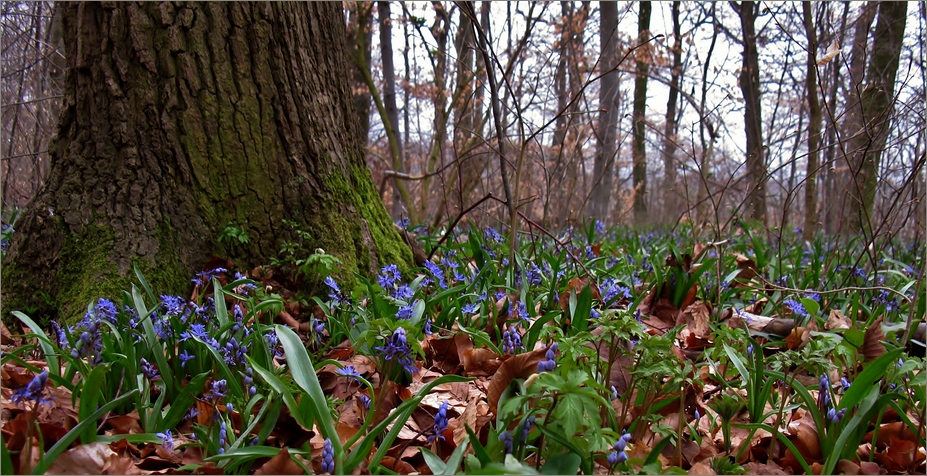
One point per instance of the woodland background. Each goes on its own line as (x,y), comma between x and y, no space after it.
(631,112)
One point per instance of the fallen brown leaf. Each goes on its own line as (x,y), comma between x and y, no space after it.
(872,342)
(519,366)
(280,464)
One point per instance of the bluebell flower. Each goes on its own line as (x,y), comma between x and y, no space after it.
(172,305)
(192,413)
(33,392)
(185,357)
(398,349)
(405,312)
(533,274)
(167,440)
(205,277)
(844,382)
(614,393)
(511,340)
(234,353)
(348,371)
(149,370)
(438,274)
(106,310)
(338,298)
(797,307)
(613,458)
(219,388)
(622,442)
(364,399)
(594,314)
(229,407)
(61,336)
(223,435)
(519,310)
(428,331)
(328,457)
(900,363)
(698,416)
(549,364)
(440,423)
(403,292)
(506,438)
(750,349)
(469,308)
(492,235)
(389,276)
(599,228)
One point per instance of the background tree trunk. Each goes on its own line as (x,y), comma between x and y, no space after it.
(670,193)
(814,128)
(639,150)
(606,148)
(400,191)
(180,120)
(875,106)
(753,118)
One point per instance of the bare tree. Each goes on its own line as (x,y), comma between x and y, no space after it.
(639,151)
(606,146)
(753,117)
(814,127)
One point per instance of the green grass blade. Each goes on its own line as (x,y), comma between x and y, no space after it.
(50,355)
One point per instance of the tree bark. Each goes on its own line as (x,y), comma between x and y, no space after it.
(670,194)
(359,36)
(753,118)
(639,150)
(180,119)
(606,147)
(865,145)
(814,128)
(400,190)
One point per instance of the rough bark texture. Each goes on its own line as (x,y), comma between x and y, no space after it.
(865,146)
(814,128)
(180,119)
(753,119)
(389,101)
(603,169)
(639,150)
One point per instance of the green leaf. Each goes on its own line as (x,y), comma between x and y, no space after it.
(456,457)
(563,463)
(185,399)
(478,449)
(873,372)
(78,430)
(435,464)
(47,348)
(304,420)
(89,396)
(297,359)
(154,343)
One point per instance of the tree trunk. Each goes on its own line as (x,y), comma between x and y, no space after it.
(606,148)
(639,150)
(389,102)
(753,119)
(832,203)
(180,120)
(670,194)
(865,145)
(359,36)
(814,127)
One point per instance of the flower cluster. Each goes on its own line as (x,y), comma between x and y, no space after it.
(338,298)
(437,272)
(797,308)
(619,456)
(34,392)
(506,438)
(205,277)
(149,370)
(492,235)
(826,404)
(167,440)
(328,457)
(440,423)
(549,364)
(398,349)
(511,340)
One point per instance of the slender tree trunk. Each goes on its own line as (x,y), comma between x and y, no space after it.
(865,147)
(359,36)
(814,128)
(389,101)
(639,150)
(180,120)
(670,193)
(439,31)
(833,202)
(753,118)
(705,126)
(606,147)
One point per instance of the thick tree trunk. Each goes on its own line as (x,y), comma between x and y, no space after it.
(753,119)
(606,147)
(865,146)
(639,150)
(814,128)
(359,36)
(180,119)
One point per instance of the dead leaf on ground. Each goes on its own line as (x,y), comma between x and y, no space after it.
(872,342)
(280,464)
(836,320)
(519,366)
(83,459)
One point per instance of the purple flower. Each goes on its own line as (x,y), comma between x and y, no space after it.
(172,305)
(405,312)
(184,358)
(622,442)
(492,235)
(398,349)
(440,423)
(511,340)
(167,440)
(428,331)
(797,307)
(338,298)
(149,370)
(205,277)
(34,391)
(389,276)
(219,387)
(506,438)
(437,273)
(403,293)
(328,457)
(348,371)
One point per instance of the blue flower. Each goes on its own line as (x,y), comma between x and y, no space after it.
(404,312)
(328,457)
(403,293)
(622,442)
(106,310)
(492,235)
(219,387)
(797,307)
(599,228)
(172,305)
(223,435)
(428,331)
(750,349)
(149,370)
(167,440)
(469,308)
(205,277)
(511,340)
(506,438)
(440,423)
(185,357)
(389,276)
(338,298)
(348,371)
(33,392)
(398,349)
(549,364)
(844,382)
(437,273)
